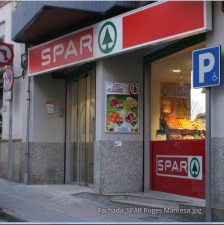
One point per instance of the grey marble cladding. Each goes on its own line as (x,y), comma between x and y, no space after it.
(118,169)
(46,163)
(217,168)
(16,156)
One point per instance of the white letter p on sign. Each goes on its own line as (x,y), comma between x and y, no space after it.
(205,68)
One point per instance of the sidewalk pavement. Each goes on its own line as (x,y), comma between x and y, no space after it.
(56,203)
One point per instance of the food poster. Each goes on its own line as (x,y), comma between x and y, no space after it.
(175,101)
(122,107)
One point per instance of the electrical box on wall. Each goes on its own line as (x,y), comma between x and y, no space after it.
(118,143)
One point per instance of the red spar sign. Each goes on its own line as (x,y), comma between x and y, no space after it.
(189,167)
(113,36)
(62,52)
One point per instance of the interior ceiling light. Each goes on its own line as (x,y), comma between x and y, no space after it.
(176,71)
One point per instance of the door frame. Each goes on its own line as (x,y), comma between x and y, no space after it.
(71,75)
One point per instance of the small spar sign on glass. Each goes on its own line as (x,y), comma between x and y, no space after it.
(122,107)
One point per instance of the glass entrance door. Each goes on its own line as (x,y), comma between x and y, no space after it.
(83,130)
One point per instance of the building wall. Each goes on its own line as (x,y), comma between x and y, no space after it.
(47,127)
(217,110)
(118,169)
(17,99)
(46,134)
(122,68)
(47,131)
(5,32)
(44,141)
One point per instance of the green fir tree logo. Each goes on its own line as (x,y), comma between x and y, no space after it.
(134,89)
(107,37)
(194,167)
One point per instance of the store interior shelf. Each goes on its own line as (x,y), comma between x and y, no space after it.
(179,133)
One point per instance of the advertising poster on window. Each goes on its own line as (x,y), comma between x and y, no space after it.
(175,101)
(122,107)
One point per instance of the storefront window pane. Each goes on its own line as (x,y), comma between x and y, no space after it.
(177,110)
(177,147)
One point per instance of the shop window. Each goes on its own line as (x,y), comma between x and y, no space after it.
(177,110)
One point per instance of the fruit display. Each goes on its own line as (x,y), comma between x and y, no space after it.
(173,136)
(199,125)
(180,137)
(199,121)
(175,123)
(183,129)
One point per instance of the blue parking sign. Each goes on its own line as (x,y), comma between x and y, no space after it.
(206,67)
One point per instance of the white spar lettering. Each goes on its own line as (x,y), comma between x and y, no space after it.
(164,165)
(58,50)
(71,49)
(46,56)
(85,42)
(183,165)
(167,164)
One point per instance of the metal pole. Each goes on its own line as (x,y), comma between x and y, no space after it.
(10,161)
(208,156)
(26,174)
